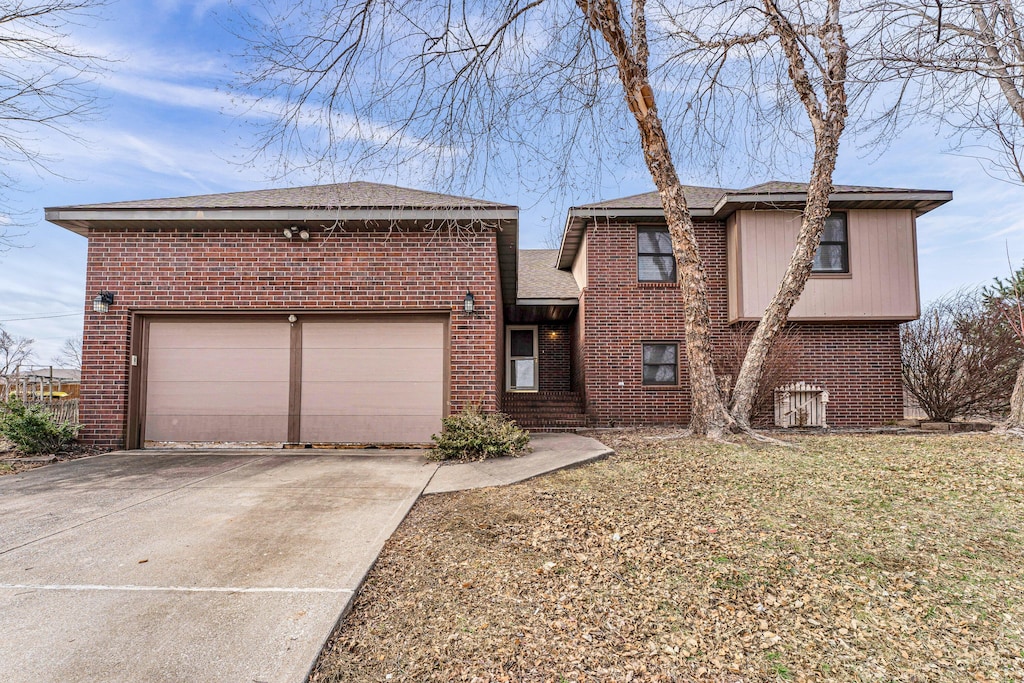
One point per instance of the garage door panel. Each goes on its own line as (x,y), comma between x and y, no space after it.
(217,381)
(361,429)
(199,335)
(369,365)
(243,428)
(372,381)
(219,398)
(234,365)
(369,398)
(373,335)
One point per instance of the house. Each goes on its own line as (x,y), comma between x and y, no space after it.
(363,313)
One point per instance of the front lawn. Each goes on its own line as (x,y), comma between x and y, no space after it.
(857,558)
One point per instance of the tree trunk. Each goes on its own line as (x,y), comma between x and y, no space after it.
(828,126)
(1016,419)
(709,414)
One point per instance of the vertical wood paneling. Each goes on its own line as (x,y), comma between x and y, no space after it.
(579,264)
(883,267)
(732,266)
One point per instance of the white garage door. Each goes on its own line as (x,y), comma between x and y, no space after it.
(372,381)
(367,380)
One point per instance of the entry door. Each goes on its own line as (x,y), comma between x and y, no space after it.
(521,349)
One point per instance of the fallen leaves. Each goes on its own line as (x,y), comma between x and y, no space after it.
(855,558)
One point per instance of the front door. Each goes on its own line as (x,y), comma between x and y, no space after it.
(521,349)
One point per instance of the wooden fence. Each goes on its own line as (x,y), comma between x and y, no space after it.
(64,410)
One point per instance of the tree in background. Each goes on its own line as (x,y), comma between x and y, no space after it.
(70,354)
(470,88)
(1006,299)
(961,64)
(44,84)
(960,358)
(14,352)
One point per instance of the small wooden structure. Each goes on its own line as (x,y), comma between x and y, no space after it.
(42,383)
(800,405)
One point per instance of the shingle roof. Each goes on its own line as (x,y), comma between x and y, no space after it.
(357,194)
(539,278)
(696,197)
(708,197)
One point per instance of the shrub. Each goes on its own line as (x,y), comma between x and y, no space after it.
(33,429)
(780,367)
(473,435)
(960,359)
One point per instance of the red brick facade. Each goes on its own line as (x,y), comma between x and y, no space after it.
(858,363)
(258,271)
(554,362)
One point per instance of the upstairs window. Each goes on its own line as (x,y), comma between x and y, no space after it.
(654,259)
(833,256)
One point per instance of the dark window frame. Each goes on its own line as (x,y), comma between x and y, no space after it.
(845,244)
(644,364)
(641,254)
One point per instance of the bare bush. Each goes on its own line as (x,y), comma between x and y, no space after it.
(959,358)
(780,366)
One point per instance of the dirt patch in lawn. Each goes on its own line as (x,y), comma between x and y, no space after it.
(13,462)
(853,559)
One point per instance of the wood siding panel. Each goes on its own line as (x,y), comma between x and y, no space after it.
(732,267)
(579,264)
(882,283)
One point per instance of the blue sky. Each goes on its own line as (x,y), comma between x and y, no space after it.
(169,128)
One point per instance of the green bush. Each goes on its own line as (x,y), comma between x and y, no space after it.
(32,429)
(472,435)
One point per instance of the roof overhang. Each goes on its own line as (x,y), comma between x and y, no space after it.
(505,219)
(921,202)
(576,221)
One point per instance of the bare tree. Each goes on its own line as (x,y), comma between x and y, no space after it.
(454,86)
(44,83)
(961,63)
(14,352)
(70,354)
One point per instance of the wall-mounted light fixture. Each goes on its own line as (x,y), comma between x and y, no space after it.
(101,302)
(469,303)
(296,231)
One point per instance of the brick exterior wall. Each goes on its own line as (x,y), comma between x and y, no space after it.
(259,270)
(858,363)
(554,346)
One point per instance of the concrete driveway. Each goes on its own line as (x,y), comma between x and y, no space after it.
(153,566)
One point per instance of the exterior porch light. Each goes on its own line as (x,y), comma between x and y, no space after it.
(101,302)
(469,303)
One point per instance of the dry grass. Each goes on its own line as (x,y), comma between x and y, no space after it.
(854,559)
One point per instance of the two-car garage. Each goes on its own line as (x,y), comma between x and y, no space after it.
(366,379)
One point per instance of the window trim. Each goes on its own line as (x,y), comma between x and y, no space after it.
(644,364)
(845,272)
(640,254)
